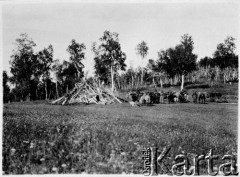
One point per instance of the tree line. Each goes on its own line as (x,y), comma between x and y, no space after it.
(37,75)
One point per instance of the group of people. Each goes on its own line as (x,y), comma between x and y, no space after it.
(140,98)
(145,98)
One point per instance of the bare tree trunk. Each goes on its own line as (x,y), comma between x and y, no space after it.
(176,79)
(161,83)
(182,84)
(119,83)
(21,100)
(137,85)
(46,92)
(67,89)
(50,94)
(132,81)
(36,94)
(112,79)
(154,82)
(171,81)
(57,90)
(28,96)
(142,78)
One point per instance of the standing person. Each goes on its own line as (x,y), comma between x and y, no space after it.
(161,100)
(186,96)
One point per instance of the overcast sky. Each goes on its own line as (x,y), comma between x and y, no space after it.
(161,25)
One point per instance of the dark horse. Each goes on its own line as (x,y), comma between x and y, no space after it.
(195,97)
(170,97)
(202,98)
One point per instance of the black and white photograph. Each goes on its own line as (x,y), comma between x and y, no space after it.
(142,88)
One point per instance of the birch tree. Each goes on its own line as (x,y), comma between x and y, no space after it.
(142,50)
(108,56)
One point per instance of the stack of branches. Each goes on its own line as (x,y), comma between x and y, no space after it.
(88,94)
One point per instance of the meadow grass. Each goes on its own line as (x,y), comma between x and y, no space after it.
(39,138)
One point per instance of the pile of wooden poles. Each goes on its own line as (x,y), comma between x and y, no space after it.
(88,94)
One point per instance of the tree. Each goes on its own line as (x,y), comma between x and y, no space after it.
(164,63)
(76,56)
(67,74)
(70,72)
(109,57)
(6,89)
(179,60)
(225,56)
(101,70)
(55,68)
(142,50)
(24,64)
(157,71)
(132,75)
(45,58)
(206,61)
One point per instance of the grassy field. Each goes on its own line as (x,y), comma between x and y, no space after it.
(41,138)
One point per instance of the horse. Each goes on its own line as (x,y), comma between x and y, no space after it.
(195,97)
(202,97)
(148,99)
(142,99)
(177,95)
(145,99)
(170,97)
(154,96)
(132,96)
